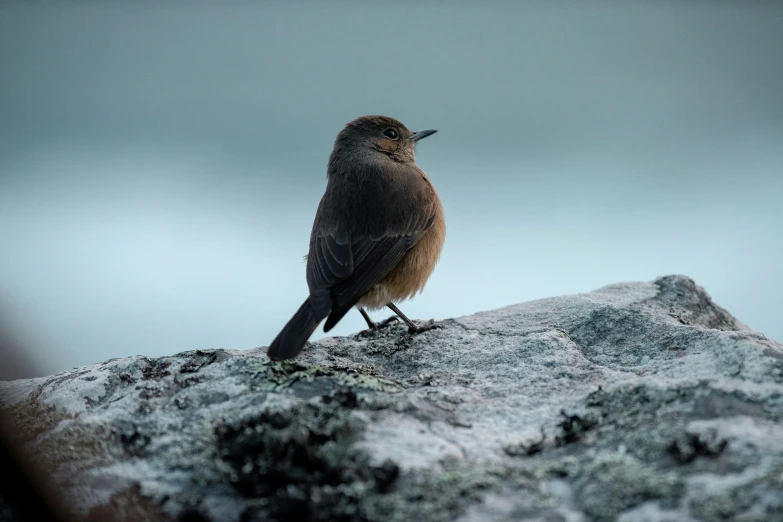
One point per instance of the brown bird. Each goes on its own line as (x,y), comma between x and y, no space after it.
(377,235)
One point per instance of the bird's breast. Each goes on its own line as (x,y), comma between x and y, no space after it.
(411,274)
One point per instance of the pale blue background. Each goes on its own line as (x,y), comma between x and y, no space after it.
(160,163)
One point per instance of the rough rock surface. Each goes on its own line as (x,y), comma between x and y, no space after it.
(636,402)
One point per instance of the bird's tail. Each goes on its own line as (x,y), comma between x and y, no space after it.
(290,341)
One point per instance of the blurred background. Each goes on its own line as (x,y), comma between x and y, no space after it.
(161,163)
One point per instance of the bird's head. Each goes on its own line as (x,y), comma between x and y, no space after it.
(377,137)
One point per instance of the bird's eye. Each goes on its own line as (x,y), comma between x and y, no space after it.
(391,133)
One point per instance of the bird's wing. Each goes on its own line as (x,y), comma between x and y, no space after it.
(347,259)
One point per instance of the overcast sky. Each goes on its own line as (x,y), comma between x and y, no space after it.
(160,166)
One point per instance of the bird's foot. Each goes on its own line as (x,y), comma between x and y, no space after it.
(429,325)
(387,322)
(376,327)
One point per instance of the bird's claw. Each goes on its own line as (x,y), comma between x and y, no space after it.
(388,322)
(378,326)
(417,329)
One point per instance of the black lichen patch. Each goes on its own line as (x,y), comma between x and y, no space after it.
(301,464)
(198,360)
(126,378)
(573,427)
(434,496)
(344,397)
(131,437)
(686,451)
(385,476)
(527,449)
(192,515)
(156,369)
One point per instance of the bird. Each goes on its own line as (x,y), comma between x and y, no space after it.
(377,235)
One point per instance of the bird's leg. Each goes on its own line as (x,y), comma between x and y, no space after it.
(413,328)
(372,326)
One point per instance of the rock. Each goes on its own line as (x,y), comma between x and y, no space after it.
(635,402)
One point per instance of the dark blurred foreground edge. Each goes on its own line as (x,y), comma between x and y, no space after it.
(25,492)
(23,498)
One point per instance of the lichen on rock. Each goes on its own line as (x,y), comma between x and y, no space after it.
(638,401)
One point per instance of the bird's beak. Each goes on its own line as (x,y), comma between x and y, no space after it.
(416,136)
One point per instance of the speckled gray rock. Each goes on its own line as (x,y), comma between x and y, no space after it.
(636,402)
